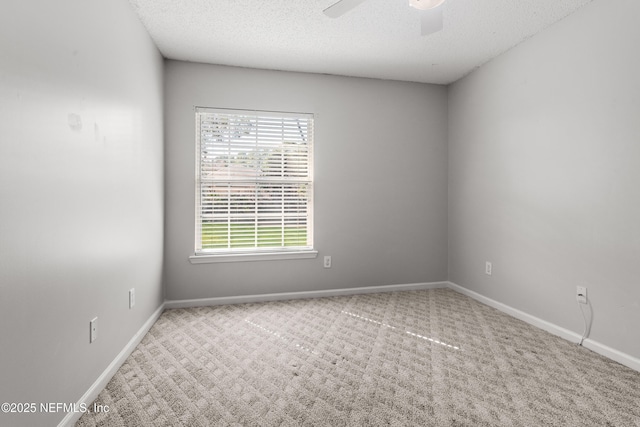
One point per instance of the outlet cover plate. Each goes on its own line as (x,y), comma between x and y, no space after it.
(93,330)
(132,298)
(581,294)
(488,268)
(327,261)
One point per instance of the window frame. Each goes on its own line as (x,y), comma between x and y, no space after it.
(254,253)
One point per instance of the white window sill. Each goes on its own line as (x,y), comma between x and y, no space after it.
(253,256)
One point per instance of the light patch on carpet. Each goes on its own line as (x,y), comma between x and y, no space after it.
(413,334)
(277,335)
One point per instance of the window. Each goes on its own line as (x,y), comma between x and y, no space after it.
(254,185)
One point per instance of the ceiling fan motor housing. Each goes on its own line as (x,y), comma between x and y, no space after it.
(425,4)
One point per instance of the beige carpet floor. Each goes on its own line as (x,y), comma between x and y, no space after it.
(423,358)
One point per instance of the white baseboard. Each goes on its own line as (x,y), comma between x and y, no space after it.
(203,302)
(532,320)
(103,379)
(611,353)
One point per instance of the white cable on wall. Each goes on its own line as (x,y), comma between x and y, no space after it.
(587,325)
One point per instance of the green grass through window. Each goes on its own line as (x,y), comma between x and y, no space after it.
(234,236)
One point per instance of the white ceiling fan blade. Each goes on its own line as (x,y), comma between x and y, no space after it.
(432,21)
(341,7)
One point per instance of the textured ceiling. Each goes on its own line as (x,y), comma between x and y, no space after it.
(378,39)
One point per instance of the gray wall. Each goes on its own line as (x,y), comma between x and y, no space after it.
(81,194)
(544,174)
(380,180)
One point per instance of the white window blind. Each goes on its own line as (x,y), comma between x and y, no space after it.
(254,188)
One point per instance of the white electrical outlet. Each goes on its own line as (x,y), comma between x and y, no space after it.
(93,330)
(327,261)
(132,297)
(488,267)
(581,294)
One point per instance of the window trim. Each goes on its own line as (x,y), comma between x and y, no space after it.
(252,254)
